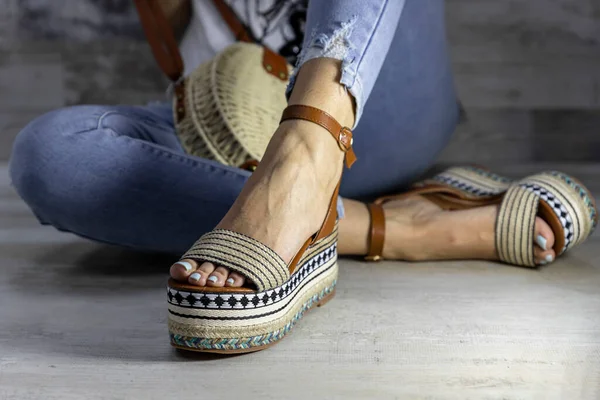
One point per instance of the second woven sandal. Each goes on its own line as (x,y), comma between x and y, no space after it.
(559,199)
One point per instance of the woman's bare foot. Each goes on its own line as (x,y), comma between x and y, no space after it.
(418,230)
(285,200)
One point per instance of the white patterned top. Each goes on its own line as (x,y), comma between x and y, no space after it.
(277,24)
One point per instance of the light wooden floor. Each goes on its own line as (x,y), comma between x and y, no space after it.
(80,320)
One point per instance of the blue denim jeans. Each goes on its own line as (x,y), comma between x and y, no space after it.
(118,174)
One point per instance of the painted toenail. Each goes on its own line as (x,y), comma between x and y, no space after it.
(195,276)
(230,281)
(549,258)
(213,279)
(188,267)
(541,241)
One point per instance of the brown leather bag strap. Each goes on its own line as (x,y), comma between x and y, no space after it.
(376,232)
(272,62)
(342,135)
(166,51)
(161,38)
(240,31)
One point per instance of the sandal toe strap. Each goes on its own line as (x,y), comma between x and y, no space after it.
(242,254)
(569,207)
(515,226)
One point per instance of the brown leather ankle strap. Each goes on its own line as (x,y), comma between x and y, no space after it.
(342,135)
(376,233)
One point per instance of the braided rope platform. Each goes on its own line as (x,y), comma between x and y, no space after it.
(246,343)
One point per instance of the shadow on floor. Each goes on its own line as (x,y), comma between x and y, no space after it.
(89,268)
(88,300)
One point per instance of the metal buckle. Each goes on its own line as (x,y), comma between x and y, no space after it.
(343,134)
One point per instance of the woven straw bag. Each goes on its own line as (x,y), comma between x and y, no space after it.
(228,108)
(233,106)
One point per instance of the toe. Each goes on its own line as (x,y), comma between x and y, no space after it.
(218,277)
(182,269)
(235,280)
(199,276)
(544,241)
(543,257)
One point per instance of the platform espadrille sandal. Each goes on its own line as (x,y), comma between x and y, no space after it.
(238,320)
(560,200)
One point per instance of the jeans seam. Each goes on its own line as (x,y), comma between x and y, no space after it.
(183,159)
(152,149)
(362,56)
(104,114)
(125,114)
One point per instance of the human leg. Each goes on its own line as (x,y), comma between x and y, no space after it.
(284,200)
(117,174)
(409,118)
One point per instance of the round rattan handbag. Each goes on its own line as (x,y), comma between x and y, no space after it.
(228,108)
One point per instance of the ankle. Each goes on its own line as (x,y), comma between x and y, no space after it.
(318,85)
(308,146)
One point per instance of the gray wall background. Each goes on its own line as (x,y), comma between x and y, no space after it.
(527,71)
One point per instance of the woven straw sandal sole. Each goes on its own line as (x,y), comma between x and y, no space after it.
(241,320)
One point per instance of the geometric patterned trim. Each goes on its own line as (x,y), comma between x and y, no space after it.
(583,193)
(224,301)
(558,208)
(243,254)
(572,204)
(515,226)
(488,175)
(465,186)
(474,181)
(254,341)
